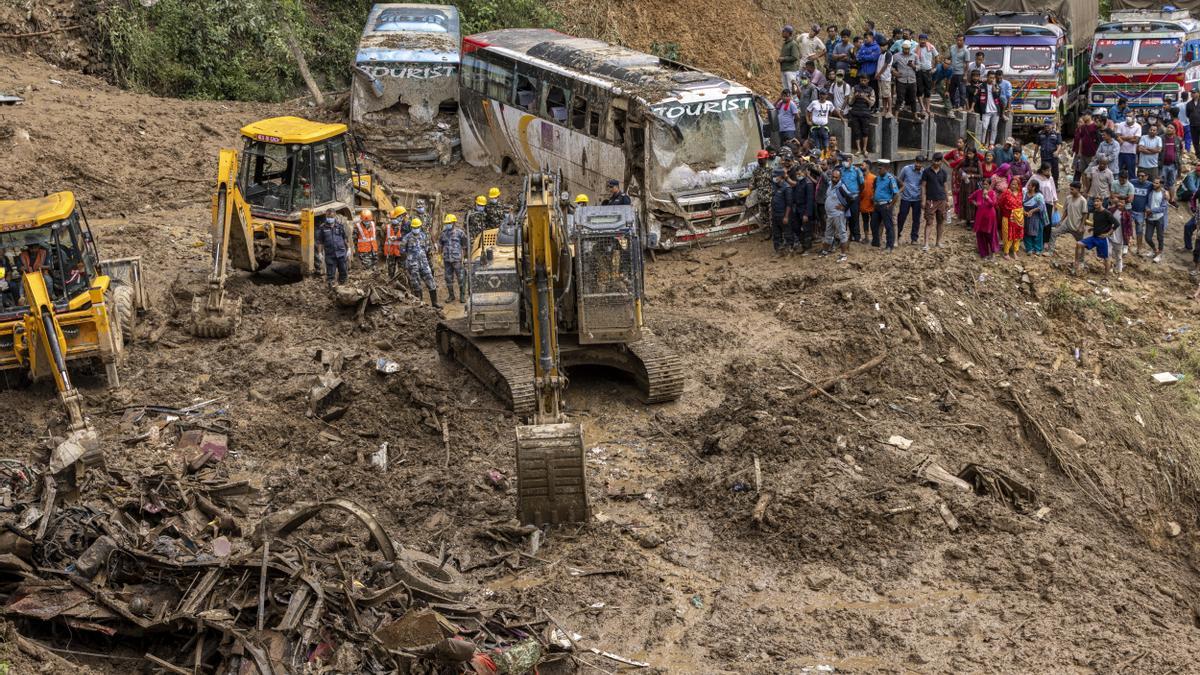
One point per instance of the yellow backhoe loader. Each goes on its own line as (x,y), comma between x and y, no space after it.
(574,289)
(267,198)
(60,304)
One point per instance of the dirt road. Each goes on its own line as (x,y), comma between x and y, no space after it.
(855,564)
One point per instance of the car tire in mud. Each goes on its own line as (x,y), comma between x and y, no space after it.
(423,573)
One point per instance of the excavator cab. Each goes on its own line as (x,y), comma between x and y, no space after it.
(267,201)
(608,268)
(289,165)
(59,302)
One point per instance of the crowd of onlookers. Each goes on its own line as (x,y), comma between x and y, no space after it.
(859,77)
(1126,165)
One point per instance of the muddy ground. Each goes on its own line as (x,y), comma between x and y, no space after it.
(853,565)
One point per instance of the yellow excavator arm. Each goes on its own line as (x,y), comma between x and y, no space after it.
(540,235)
(48,346)
(213,315)
(551,485)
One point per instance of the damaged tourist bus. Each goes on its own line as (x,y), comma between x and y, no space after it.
(682,142)
(404,96)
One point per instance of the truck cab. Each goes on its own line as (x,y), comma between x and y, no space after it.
(1034,54)
(1144,56)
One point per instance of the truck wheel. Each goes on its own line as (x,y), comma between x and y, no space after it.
(423,574)
(124,316)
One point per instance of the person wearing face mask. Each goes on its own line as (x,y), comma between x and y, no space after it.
(781,199)
(852,179)
(910,196)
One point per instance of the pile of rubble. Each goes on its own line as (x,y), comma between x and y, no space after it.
(178,564)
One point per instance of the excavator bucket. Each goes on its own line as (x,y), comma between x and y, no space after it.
(215,318)
(551,487)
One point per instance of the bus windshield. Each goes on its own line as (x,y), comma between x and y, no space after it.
(1023,59)
(1112,52)
(698,144)
(1158,52)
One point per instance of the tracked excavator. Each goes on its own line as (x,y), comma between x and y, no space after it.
(61,305)
(560,292)
(267,199)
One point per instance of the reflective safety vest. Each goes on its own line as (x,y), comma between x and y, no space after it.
(34,264)
(391,244)
(366,237)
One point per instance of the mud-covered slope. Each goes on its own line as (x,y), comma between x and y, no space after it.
(740,40)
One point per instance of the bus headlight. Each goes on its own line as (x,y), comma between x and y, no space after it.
(1042,104)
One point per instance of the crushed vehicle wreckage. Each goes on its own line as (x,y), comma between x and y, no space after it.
(180,563)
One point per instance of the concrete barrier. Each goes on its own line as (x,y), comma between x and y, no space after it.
(888,138)
(840,130)
(949,128)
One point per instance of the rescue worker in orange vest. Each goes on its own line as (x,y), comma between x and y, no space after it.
(366,239)
(33,258)
(394,231)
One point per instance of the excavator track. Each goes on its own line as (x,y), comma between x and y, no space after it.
(661,373)
(498,362)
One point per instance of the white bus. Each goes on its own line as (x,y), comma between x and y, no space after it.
(682,142)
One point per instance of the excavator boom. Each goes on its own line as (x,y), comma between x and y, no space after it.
(48,346)
(213,314)
(551,487)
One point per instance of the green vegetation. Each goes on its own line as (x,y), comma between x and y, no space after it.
(1064,302)
(238,49)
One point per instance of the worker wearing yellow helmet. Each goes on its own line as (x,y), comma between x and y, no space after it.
(418,261)
(454,245)
(495,210)
(477,217)
(581,200)
(366,239)
(397,227)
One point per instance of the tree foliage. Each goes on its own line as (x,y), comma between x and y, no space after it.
(238,49)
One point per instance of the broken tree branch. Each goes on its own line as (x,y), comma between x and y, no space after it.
(824,393)
(302,65)
(40,33)
(848,375)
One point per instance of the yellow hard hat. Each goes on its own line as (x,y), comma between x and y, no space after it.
(481,200)
(366,215)
(415,224)
(450,218)
(581,199)
(399,211)
(494,193)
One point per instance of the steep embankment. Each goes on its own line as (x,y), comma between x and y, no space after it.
(740,40)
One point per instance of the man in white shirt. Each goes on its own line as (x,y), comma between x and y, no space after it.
(839,93)
(1129,134)
(818,120)
(812,47)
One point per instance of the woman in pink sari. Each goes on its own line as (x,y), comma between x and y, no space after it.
(984,200)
